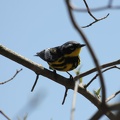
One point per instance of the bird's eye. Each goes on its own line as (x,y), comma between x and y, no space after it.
(71,47)
(53,50)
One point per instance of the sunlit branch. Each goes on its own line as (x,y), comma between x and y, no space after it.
(112,96)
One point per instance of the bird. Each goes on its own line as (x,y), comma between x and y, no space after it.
(62,58)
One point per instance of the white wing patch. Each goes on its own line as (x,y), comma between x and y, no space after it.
(48,55)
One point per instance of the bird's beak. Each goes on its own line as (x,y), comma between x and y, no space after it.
(82,45)
(37,54)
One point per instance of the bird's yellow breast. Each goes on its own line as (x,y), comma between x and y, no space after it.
(74,53)
(65,63)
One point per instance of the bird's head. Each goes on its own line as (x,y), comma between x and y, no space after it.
(71,48)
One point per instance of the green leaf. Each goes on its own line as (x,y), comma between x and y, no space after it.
(97,93)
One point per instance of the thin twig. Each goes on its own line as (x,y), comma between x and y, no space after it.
(17,71)
(35,83)
(95,9)
(89,12)
(96,21)
(4,115)
(112,96)
(97,75)
(65,95)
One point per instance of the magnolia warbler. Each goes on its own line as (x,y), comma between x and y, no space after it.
(62,58)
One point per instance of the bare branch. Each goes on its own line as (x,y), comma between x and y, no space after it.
(97,116)
(96,21)
(17,71)
(89,12)
(4,115)
(95,69)
(112,96)
(115,106)
(97,75)
(38,69)
(109,114)
(37,77)
(99,113)
(65,95)
(108,6)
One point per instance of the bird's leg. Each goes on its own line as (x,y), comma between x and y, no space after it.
(53,71)
(71,77)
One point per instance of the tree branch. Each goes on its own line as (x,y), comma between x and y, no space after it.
(99,113)
(4,115)
(108,6)
(88,10)
(95,69)
(109,114)
(38,69)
